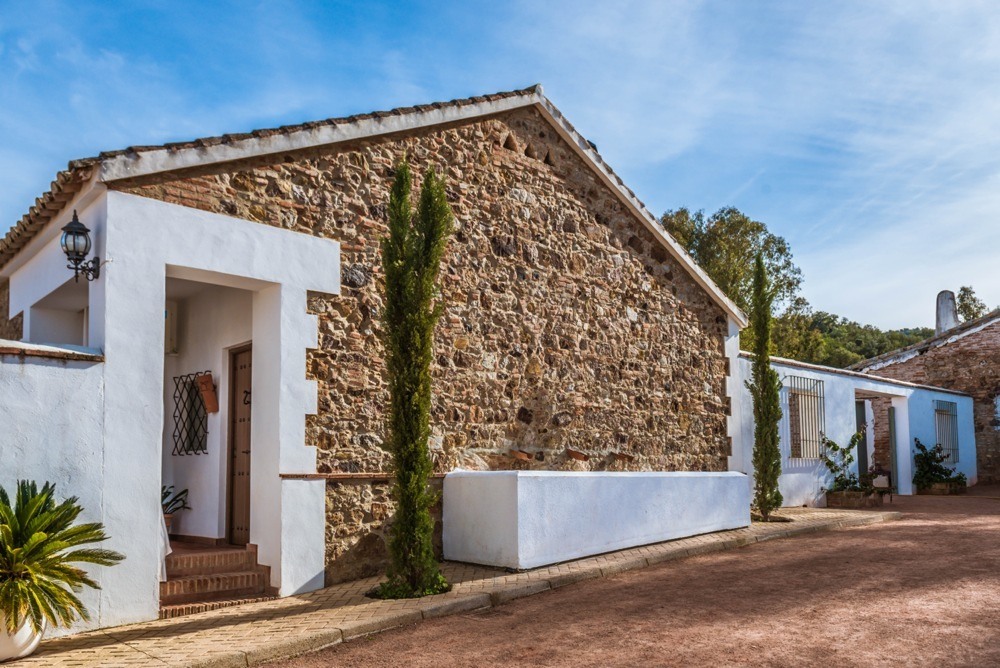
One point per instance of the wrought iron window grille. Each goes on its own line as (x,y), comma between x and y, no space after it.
(946,426)
(190,417)
(804,416)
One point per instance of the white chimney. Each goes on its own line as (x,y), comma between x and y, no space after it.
(947,314)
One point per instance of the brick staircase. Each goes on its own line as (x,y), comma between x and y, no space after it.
(201,578)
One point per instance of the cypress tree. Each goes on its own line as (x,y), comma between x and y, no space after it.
(411,261)
(765,387)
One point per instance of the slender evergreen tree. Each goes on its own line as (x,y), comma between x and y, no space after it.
(411,260)
(765,387)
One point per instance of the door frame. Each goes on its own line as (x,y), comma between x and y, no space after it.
(231,366)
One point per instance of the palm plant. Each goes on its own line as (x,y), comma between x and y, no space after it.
(39,545)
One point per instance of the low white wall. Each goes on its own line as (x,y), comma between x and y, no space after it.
(52,418)
(526,519)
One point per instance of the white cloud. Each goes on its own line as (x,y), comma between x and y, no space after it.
(863,132)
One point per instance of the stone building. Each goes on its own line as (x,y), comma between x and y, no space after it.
(960,356)
(577,335)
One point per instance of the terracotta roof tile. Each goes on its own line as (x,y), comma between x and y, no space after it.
(69,181)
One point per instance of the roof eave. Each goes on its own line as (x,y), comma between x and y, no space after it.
(146,161)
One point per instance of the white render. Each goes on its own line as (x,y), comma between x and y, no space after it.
(107,445)
(53,432)
(211,323)
(802,480)
(526,519)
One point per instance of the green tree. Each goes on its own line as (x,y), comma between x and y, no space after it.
(793,335)
(725,245)
(969,306)
(40,547)
(765,387)
(411,260)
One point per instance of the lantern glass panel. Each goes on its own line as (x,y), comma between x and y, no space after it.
(76,244)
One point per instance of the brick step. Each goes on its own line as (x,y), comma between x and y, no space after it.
(215,586)
(208,562)
(182,609)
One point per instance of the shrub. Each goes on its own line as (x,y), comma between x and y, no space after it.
(838,462)
(928,467)
(39,547)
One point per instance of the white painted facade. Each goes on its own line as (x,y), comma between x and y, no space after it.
(107,422)
(526,519)
(802,480)
(54,432)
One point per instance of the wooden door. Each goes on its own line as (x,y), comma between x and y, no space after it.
(861,424)
(240,366)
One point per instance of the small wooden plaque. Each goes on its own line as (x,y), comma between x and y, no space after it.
(578,456)
(622,457)
(520,454)
(207,390)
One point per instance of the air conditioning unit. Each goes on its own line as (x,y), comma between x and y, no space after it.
(170,346)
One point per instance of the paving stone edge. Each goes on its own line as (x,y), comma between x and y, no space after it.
(431,608)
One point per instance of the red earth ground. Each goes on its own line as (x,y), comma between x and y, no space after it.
(922,591)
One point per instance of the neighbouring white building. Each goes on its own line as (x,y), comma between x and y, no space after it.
(837,403)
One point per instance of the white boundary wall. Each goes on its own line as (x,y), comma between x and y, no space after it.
(526,519)
(53,428)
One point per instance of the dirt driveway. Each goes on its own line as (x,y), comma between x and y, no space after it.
(923,591)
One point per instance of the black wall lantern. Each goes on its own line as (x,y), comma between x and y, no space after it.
(76,244)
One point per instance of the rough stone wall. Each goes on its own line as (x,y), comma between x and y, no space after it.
(972,365)
(10,328)
(566,323)
(359,514)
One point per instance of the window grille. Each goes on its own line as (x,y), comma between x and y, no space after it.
(190,418)
(806,416)
(946,424)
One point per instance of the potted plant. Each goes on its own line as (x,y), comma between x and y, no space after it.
(848,490)
(931,476)
(172,502)
(40,547)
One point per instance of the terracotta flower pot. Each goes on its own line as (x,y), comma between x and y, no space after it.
(168,519)
(21,643)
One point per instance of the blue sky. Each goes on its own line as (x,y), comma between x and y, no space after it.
(866,133)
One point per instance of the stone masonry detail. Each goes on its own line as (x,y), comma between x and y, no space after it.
(566,325)
(10,328)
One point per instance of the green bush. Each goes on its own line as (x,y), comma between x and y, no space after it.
(39,547)
(838,462)
(411,260)
(928,467)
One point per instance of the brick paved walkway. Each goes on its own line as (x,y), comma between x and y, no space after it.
(253,634)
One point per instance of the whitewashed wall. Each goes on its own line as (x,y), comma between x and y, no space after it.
(526,519)
(53,431)
(211,322)
(144,243)
(922,426)
(802,480)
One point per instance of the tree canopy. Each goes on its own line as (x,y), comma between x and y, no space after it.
(726,244)
(969,306)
